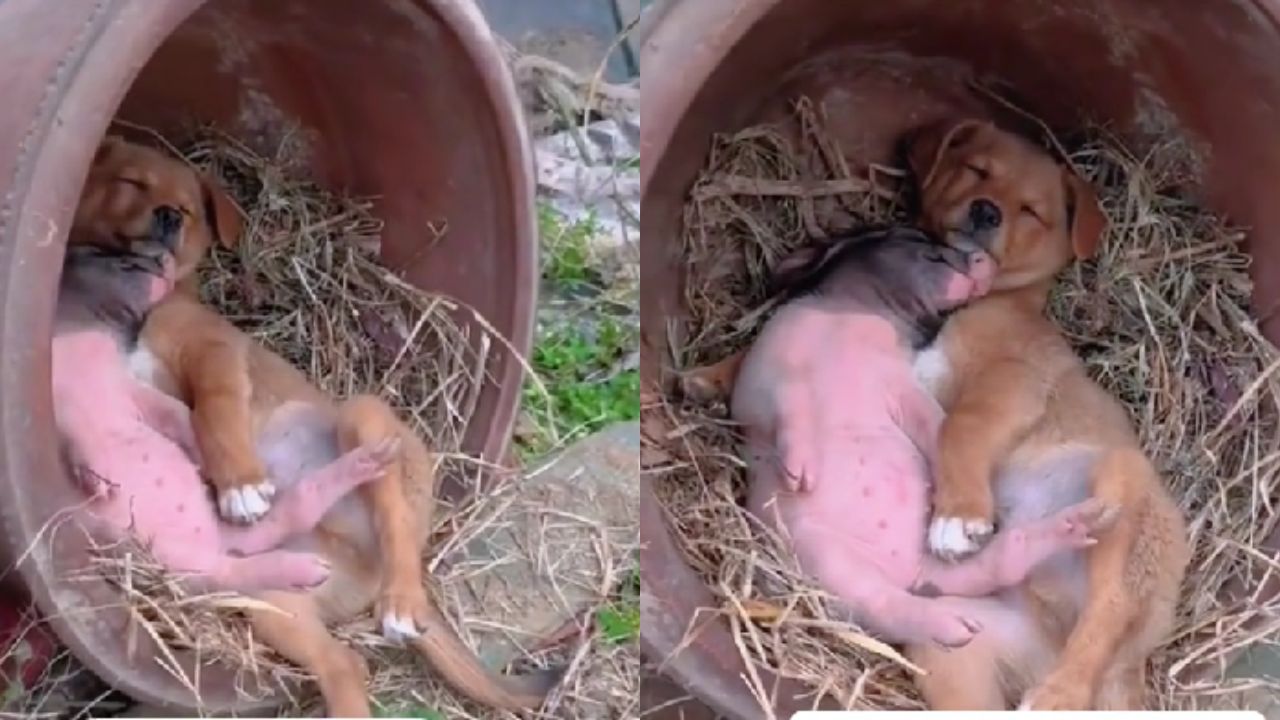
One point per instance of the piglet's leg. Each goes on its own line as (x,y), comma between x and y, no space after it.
(86,478)
(300,507)
(795,437)
(1014,553)
(712,382)
(276,570)
(894,614)
(168,416)
(920,417)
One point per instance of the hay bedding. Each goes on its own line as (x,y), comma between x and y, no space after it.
(1161,317)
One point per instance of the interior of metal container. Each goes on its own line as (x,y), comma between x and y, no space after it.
(1206,73)
(405,100)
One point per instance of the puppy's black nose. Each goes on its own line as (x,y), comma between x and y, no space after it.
(165,224)
(984,215)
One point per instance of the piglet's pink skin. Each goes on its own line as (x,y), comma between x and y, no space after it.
(131,447)
(839,434)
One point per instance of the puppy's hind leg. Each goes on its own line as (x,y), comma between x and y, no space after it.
(399,520)
(1122,688)
(1134,572)
(296,630)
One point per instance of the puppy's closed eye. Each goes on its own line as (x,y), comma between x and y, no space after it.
(981,172)
(1031,213)
(132,182)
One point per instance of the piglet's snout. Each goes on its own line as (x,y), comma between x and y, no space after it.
(974,283)
(159,286)
(982,271)
(958,290)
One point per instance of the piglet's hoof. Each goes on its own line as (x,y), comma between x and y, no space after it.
(93,484)
(953,631)
(954,537)
(305,570)
(246,504)
(1079,525)
(378,456)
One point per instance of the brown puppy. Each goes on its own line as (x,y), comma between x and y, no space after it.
(1027,432)
(259,423)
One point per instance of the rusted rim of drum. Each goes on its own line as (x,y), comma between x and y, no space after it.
(705,30)
(465,20)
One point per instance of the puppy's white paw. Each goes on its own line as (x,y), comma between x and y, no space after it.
(398,629)
(953,537)
(247,503)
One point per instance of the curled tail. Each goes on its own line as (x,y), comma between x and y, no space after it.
(462,670)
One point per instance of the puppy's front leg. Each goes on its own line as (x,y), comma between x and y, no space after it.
(223,421)
(991,413)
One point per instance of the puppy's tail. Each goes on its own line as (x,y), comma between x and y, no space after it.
(462,670)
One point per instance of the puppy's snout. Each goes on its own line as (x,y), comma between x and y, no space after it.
(166,222)
(984,215)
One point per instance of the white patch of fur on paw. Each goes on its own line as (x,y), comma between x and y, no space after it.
(957,537)
(247,503)
(398,629)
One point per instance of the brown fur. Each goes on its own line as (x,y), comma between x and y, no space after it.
(233,384)
(1016,389)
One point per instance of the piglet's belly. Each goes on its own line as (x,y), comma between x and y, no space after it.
(160,498)
(874,512)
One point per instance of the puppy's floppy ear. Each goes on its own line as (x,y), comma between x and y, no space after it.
(1084,215)
(927,145)
(107,148)
(221,211)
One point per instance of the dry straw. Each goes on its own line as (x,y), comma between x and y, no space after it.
(1162,319)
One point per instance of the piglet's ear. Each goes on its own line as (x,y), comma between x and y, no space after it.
(800,268)
(794,268)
